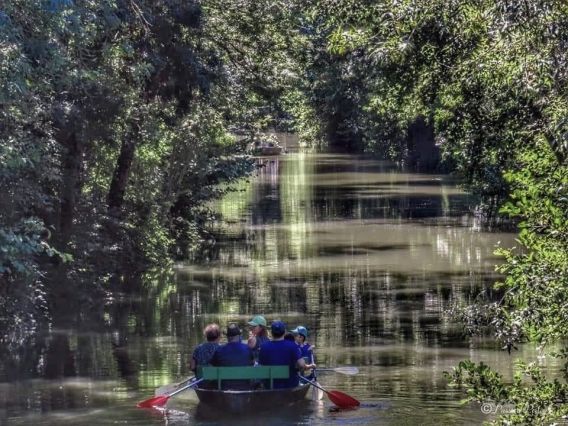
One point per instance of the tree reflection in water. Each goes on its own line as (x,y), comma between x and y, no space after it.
(367,257)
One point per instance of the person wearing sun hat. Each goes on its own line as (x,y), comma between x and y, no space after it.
(280,351)
(258,334)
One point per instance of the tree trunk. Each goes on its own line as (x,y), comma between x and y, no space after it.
(70,186)
(121,174)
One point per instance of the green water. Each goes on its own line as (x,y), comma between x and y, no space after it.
(367,257)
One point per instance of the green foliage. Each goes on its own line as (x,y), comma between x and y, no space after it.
(484,74)
(530,399)
(537,276)
(20,244)
(117,122)
(490,78)
(120,120)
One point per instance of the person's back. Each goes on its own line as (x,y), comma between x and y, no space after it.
(203,352)
(233,354)
(282,352)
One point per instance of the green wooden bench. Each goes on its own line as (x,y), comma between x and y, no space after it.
(261,372)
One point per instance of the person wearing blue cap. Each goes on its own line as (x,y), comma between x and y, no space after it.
(279,351)
(301,334)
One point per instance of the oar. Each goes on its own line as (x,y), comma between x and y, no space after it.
(163,390)
(350,371)
(161,400)
(318,393)
(340,399)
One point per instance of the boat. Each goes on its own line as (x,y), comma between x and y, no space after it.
(239,401)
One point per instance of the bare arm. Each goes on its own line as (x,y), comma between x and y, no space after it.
(301,364)
(252,342)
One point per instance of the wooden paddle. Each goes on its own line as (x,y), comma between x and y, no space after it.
(340,399)
(161,400)
(350,371)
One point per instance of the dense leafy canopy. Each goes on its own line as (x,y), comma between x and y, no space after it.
(490,78)
(119,118)
(116,125)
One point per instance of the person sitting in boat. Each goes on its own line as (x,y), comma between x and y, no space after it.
(290,336)
(258,334)
(301,334)
(307,350)
(279,351)
(233,354)
(203,353)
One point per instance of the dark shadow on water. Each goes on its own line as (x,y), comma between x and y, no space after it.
(295,413)
(363,249)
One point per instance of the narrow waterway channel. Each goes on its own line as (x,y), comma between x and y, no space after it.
(368,258)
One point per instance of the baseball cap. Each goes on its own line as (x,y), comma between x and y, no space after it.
(301,330)
(278,327)
(258,320)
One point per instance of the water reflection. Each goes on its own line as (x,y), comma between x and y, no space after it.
(366,257)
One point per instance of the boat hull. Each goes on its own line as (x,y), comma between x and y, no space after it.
(242,401)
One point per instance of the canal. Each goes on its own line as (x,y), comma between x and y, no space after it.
(368,258)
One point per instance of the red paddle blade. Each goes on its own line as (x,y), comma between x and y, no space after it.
(157,401)
(342,400)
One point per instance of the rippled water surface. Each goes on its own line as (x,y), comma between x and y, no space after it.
(367,257)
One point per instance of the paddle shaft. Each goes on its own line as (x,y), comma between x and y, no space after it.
(167,389)
(312,361)
(340,399)
(161,400)
(315,394)
(314,384)
(350,371)
(192,384)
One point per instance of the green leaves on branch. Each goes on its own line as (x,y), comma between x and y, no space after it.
(531,398)
(537,276)
(19,245)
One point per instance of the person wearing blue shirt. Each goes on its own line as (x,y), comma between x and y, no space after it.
(279,351)
(233,354)
(203,353)
(258,334)
(301,334)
